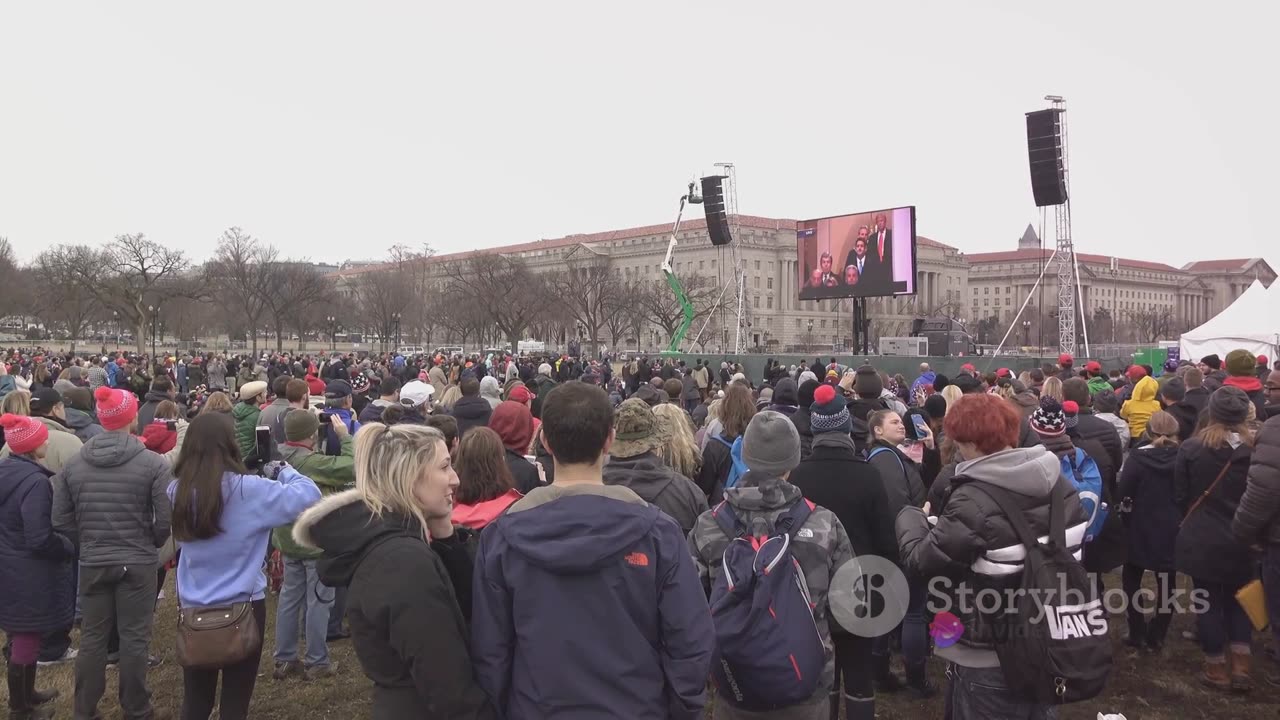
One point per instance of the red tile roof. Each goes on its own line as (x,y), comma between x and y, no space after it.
(1217,265)
(747,221)
(1038,255)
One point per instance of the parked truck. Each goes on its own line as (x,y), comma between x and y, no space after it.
(947,337)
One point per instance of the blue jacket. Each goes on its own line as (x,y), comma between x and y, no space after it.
(35,561)
(599,585)
(332,445)
(227,567)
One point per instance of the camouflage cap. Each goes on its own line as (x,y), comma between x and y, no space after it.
(635,429)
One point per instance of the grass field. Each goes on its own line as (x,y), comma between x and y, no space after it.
(1143,687)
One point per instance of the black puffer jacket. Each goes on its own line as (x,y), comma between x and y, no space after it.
(411,637)
(836,478)
(1258,516)
(1152,527)
(971,526)
(900,476)
(1206,549)
(1104,433)
(660,485)
(470,412)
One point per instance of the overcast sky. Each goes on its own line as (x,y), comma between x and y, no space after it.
(335,130)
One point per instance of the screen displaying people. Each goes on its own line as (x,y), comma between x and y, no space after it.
(878,249)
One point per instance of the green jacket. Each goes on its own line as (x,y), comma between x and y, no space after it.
(246,417)
(331,473)
(1098,384)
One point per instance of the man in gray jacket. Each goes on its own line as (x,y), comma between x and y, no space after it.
(111,500)
(633,463)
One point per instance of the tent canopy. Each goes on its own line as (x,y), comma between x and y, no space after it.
(1252,322)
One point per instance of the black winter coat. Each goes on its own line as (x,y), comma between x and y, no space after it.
(1258,516)
(35,561)
(523,472)
(716,464)
(1187,415)
(1152,527)
(470,412)
(411,638)
(802,419)
(836,478)
(1206,548)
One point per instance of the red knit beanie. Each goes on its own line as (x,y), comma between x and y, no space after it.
(520,394)
(23,434)
(116,408)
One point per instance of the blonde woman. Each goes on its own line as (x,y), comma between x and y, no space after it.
(951,394)
(680,451)
(218,402)
(17,402)
(1052,388)
(411,637)
(450,397)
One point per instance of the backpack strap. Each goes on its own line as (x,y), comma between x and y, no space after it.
(728,520)
(793,519)
(724,442)
(1014,512)
(882,449)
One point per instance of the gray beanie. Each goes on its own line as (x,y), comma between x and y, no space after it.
(771,445)
(1228,405)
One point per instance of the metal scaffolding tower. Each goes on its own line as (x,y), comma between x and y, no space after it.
(1068,268)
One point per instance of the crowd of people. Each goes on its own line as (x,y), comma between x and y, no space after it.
(534,537)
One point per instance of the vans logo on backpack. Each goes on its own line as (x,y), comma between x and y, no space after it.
(1075,621)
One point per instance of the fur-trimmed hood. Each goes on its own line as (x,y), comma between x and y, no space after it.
(344,529)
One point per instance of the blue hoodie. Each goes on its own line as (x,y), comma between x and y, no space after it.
(227,567)
(598,585)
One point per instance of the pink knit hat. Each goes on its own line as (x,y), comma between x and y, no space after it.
(23,434)
(116,408)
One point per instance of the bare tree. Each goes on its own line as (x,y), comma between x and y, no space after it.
(1152,323)
(665,310)
(585,289)
(503,289)
(295,298)
(14,291)
(62,300)
(133,274)
(243,271)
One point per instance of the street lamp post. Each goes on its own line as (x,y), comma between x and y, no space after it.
(152,310)
(809,345)
(1026,332)
(333,333)
(115,320)
(396,317)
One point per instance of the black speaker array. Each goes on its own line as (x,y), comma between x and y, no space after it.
(1044,153)
(713,206)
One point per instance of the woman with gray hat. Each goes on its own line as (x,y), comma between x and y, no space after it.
(1210,476)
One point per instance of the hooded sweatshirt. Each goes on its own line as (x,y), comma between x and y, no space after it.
(658,484)
(1141,406)
(158,437)
(489,390)
(84,425)
(471,412)
(568,565)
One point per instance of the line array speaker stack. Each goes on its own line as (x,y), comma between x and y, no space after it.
(713,206)
(1044,153)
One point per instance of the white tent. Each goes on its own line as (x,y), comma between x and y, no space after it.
(1251,322)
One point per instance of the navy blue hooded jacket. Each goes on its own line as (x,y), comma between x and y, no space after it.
(598,585)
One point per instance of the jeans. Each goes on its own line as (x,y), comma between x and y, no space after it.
(200,687)
(1224,621)
(1140,630)
(337,610)
(303,594)
(914,628)
(981,694)
(123,597)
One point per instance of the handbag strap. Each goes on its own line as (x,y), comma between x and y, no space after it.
(1205,495)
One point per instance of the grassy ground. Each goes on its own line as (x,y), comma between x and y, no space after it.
(1143,687)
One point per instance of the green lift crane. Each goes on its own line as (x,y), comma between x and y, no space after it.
(686,307)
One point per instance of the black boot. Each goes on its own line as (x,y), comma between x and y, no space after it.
(20,705)
(886,681)
(857,708)
(918,680)
(38,697)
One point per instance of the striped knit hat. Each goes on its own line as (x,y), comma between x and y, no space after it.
(116,408)
(829,412)
(23,434)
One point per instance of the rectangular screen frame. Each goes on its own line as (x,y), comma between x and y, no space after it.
(805,293)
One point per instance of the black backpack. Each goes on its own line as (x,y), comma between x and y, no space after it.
(1052,641)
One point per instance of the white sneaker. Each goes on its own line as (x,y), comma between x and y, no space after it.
(67,656)
(160,596)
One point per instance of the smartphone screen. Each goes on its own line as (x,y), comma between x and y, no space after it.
(171,425)
(262,436)
(922,427)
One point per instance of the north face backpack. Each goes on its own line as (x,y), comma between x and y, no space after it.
(769,653)
(739,468)
(1052,641)
(1087,478)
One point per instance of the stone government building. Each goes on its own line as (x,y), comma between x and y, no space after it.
(977,289)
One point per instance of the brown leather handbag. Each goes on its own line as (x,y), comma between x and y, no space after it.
(215,637)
